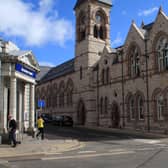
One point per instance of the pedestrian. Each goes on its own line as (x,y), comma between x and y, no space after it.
(40,126)
(12,130)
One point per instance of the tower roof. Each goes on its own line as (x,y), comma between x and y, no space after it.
(79,2)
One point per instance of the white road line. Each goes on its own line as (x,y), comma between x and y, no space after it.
(147,141)
(86,152)
(86,156)
(145,149)
(117,150)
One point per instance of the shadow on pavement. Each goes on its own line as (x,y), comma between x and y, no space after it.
(86,134)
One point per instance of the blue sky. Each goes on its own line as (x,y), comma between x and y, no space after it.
(47,27)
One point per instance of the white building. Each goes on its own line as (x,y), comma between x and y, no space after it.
(18,71)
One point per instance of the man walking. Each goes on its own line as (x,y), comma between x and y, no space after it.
(12,130)
(40,125)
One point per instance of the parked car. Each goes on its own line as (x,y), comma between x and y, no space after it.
(47,118)
(62,120)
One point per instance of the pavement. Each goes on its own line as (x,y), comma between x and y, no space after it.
(32,146)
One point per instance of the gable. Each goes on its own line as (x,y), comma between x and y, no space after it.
(29,59)
(134,34)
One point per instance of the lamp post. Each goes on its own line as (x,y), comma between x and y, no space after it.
(147,84)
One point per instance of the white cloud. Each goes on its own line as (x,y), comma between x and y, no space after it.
(36,27)
(148,11)
(46,64)
(117,41)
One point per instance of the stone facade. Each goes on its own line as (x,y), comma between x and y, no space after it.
(125,87)
(17,87)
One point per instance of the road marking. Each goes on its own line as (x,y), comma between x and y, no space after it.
(145,149)
(86,156)
(117,150)
(147,141)
(86,152)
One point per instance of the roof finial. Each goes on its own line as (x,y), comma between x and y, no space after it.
(142,24)
(160,9)
(133,21)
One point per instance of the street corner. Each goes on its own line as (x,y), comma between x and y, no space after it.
(67,145)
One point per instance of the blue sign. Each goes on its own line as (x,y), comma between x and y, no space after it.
(41,103)
(25,70)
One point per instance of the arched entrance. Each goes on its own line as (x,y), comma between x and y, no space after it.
(115,115)
(81,114)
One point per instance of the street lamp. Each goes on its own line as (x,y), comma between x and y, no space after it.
(147,83)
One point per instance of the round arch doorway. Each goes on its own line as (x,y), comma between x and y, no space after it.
(81,113)
(115,115)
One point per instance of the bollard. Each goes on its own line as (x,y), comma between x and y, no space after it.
(0,140)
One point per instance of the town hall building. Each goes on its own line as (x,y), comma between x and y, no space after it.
(124,87)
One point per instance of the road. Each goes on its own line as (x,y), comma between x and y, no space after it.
(101,149)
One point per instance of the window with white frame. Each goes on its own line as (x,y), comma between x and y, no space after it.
(132,108)
(160,107)
(162,53)
(135,62)
(140,108)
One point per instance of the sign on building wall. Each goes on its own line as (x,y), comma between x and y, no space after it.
(41,103)
(24,70)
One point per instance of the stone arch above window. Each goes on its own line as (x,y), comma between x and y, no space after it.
(100,20)
(70,87)
(140,104)
(160,49)
(158,105)
(81,26)
(134,55)
(127,100)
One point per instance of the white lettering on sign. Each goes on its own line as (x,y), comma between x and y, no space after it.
(26,71)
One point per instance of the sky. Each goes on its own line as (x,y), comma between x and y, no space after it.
(47,27)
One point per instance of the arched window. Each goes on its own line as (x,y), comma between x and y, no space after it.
(95,31)
(160,107)
(103,76)
(81,27)
(132,108)
(106,105)
(101,105)
(99,27)
(134,62)
(107,75)
(162,53)
(140,108)
(70,92)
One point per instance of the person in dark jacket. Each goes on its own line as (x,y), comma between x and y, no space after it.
(12,130)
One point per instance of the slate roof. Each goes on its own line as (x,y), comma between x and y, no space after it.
(43,71)
(58,71)
(148,26)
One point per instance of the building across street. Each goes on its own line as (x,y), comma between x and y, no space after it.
(124,87)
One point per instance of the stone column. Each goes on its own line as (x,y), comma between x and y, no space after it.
(26,107)
(20,124)
(13,96)
(32,109)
